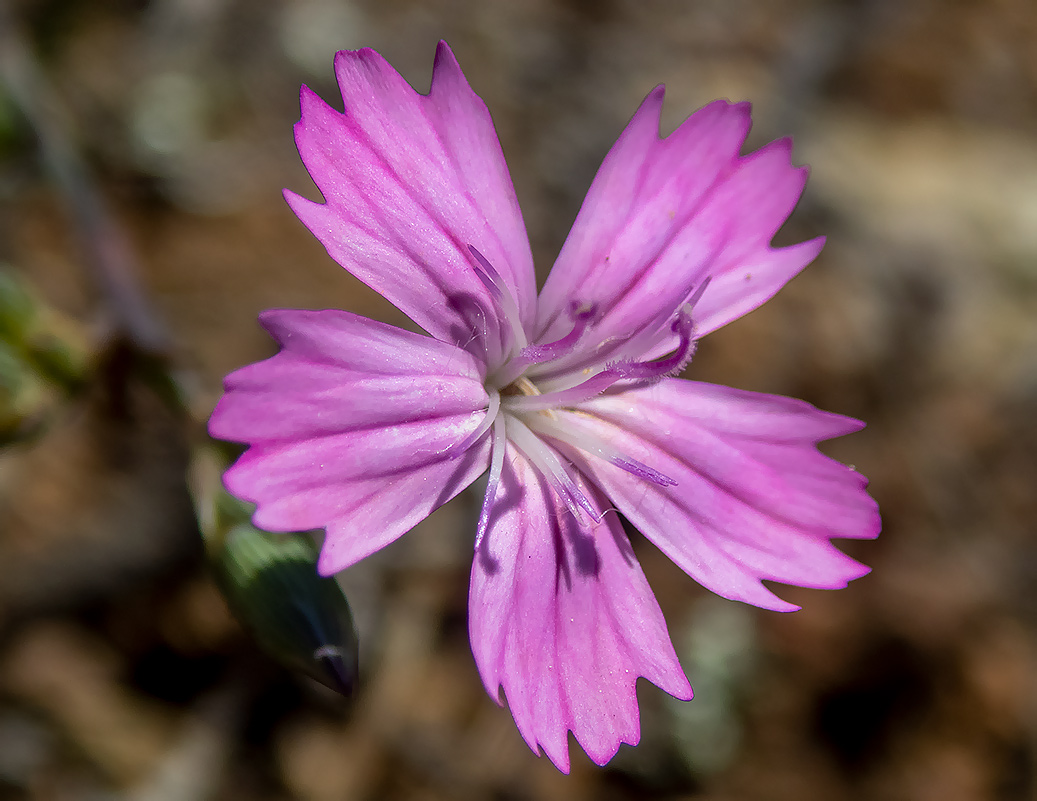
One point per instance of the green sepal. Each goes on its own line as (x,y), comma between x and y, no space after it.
(301,618)
(272,585)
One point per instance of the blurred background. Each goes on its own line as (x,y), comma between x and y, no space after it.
(143,149)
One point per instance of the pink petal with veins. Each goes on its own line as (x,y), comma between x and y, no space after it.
(754,499)
(561,617)
(409,181)
(351,427)
(665,214)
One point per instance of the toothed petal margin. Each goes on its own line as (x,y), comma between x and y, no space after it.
(350,428)
(754,499)
(562,618)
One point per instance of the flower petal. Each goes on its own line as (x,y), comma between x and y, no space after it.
(409,182)
(662,215)
(561,617)
(351,427)
(754,498)
(748,282)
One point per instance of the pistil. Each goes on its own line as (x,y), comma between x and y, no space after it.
(617,371)
(582,317)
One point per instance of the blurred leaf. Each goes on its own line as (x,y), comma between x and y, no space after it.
(720,651)
(17,308)
(42,360)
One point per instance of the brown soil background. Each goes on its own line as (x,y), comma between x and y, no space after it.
(122,675)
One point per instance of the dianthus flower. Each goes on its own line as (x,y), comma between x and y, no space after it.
(566,399)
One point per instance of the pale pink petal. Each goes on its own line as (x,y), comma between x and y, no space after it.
(351,428)
(561,617)
(754,498)
(410,181)
(663,215)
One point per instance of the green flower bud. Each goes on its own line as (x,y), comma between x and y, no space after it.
(299,617)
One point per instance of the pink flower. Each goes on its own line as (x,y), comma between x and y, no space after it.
(566,398)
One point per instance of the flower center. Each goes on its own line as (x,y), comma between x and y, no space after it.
(523,414)
(584,385)
(520,386)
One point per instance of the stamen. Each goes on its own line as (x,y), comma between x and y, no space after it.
(572,433)
(619,350)
(493,281)
(537,354)
(496,467)
(484,425)
(550,467)
(612,373)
